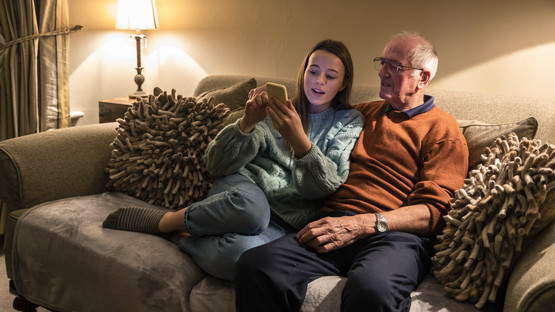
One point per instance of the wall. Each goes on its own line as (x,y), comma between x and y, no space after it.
(499,46)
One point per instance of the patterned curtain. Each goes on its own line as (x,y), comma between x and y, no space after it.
(34,72)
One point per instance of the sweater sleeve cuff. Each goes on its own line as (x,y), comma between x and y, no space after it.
(308,157)
(237,130)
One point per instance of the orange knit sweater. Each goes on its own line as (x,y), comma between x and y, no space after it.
(399,161)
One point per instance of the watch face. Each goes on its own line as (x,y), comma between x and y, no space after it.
(381,226)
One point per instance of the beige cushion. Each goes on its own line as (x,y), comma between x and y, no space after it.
(480,135)
(234,97)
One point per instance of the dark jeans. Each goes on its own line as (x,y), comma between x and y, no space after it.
(381,272)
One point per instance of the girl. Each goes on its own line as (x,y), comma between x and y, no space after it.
(274,167)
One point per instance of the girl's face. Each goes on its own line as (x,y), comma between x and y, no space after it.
(323,79)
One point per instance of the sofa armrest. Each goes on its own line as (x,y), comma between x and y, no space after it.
(54,164)
(531,285)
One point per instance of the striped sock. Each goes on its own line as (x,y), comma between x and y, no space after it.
(135,219)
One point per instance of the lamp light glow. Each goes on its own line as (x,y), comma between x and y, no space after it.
(136,14)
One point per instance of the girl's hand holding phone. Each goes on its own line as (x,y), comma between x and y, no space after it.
(256,110)
(256,106)
(256,91)
(288,123)
(271,100)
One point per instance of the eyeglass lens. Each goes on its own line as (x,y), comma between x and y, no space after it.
(381,62)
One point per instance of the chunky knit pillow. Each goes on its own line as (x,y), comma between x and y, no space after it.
(157,153)
(505,200)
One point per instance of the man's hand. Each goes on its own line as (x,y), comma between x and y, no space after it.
(331,233)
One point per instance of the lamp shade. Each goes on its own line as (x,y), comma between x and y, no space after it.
(136,14)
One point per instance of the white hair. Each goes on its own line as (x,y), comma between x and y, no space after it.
(423,54)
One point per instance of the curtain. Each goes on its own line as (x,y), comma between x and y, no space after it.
(34,73)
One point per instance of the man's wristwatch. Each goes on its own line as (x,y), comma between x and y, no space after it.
(381,225)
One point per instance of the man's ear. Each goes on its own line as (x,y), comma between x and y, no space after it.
(424,79)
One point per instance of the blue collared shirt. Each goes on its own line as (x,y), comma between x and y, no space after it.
(420,109)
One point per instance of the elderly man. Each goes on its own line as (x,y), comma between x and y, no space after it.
(377,229)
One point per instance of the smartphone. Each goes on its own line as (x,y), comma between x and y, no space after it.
(277,90)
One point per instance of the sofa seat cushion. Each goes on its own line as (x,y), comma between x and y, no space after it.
(323,295)
(65,260)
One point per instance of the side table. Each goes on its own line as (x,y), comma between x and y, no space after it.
(112,109)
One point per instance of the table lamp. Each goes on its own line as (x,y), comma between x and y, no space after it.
(138,15)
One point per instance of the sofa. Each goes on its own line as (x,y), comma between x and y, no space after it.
(58,188)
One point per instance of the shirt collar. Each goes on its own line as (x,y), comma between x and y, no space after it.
(420,109)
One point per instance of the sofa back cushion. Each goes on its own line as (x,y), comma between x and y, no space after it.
(463,105)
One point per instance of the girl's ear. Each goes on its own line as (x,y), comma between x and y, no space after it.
(343,87)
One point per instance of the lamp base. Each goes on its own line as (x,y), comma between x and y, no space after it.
(138,94)
(139,78)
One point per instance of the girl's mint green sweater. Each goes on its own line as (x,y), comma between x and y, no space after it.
(294,186)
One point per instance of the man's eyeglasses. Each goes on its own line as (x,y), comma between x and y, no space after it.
(395,66)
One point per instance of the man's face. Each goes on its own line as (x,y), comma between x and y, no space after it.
(399,88)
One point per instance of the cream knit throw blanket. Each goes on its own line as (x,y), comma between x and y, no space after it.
(502,202)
